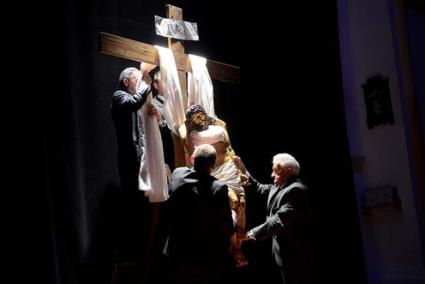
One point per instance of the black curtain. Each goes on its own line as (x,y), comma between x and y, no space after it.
(290,100)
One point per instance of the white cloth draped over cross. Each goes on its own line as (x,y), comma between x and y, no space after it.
(152,178)
(200,85)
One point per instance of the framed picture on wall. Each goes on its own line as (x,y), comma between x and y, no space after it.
(378,102)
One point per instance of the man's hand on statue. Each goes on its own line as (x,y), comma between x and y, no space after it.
(245,180)
(151,110)
(147,79)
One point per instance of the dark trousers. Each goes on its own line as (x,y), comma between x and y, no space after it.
(129,166)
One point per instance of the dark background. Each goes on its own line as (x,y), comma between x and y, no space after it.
(290,100)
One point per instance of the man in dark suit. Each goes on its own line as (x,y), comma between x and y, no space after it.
(200,221)
(131,204)
(288,219)
(126,102)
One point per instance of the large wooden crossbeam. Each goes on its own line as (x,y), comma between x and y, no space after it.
(142,52)
(138,51)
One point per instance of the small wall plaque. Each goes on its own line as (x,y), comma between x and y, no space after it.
(381,197)
(378,102)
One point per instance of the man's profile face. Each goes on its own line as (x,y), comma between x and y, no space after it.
(199,121)
(278,175)
(132,82)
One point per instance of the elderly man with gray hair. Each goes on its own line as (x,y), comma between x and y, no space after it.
(134,87)
(287,221)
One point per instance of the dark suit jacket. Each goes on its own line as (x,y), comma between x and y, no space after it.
(200,220)
(124,109)
(288,223)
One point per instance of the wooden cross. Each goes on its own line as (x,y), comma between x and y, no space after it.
(139,51)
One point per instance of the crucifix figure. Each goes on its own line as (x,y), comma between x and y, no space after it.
(142,52)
